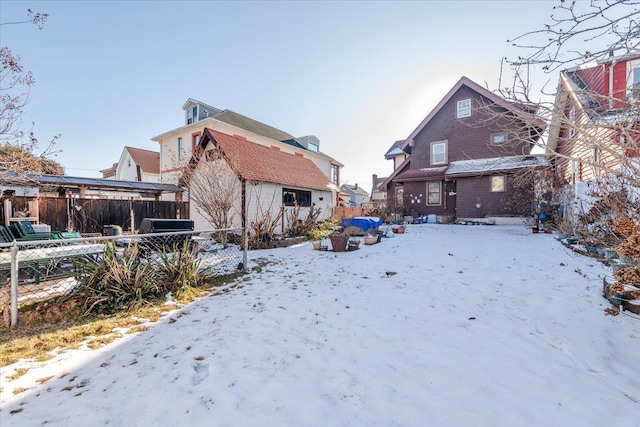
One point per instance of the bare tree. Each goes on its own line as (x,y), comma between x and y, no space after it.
(215,189)
(17,146)
(594,133)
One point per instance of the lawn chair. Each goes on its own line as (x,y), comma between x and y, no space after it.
(23,230)
(5,235)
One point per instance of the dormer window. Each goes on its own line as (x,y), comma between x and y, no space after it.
(192,115)
(464,108)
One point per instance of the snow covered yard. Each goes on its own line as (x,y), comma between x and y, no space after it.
(444,325)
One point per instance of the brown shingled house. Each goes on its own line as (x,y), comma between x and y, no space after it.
(460,160)
(270,179)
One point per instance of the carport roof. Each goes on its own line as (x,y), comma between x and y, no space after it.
(89,183)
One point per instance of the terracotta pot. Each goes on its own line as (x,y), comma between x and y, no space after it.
(399,229)
(339,241)
(370,240)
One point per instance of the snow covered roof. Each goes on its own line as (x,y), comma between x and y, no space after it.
(495,164)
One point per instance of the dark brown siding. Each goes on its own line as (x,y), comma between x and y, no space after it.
(469,137)
(472,190)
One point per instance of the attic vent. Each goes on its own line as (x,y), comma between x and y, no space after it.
(275,148)
(299,154)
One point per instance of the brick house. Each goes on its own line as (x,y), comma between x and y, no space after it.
(461,159)
(595,123)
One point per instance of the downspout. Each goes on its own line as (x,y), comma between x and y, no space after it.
(243,216)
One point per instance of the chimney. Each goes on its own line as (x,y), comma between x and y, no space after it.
(375,182)
(356,187)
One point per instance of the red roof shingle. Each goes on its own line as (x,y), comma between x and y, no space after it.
(149,161)
(256,162)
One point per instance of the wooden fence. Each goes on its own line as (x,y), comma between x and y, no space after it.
(90,215)
(345,212)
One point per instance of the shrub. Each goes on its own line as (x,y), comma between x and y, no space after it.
(322,229)
(117,282)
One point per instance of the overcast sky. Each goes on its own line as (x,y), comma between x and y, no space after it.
(358,75)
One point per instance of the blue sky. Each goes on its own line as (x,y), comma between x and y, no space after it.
(358,75)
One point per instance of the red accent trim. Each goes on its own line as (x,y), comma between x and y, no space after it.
(172,170)
(193,140)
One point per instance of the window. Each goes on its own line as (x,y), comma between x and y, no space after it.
(335,174)
(497,183)
(572,122)
(464,108)
(180,148)
(399,196)
(296,197)
(498,138)
(129,163)
(439,153)
(433,193)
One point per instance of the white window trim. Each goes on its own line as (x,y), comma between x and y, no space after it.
(446,153)
(463,111)
(504,184)
(631,66)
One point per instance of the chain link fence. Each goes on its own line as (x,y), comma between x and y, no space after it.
(36,270)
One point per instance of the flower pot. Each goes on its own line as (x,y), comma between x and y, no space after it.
(398,229)
(339,241)
(316,245)
(371,240)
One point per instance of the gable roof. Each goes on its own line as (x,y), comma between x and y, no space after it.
(396,148)
(149,161)
(464,81)
(356,190)
(257,162)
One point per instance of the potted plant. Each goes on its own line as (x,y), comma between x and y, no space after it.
(339,241)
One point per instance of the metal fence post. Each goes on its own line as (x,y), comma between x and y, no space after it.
(14,284)
(245,238)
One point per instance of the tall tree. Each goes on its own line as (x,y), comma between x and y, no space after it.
(17,146)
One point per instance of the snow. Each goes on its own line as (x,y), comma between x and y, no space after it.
(445,325)
(495,164)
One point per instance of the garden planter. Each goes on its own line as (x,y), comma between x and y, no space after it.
(339,241)
(398,229)
(316,245)
(371,240)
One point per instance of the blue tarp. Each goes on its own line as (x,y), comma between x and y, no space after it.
(364,222)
